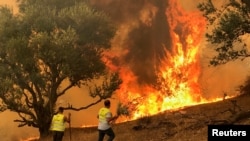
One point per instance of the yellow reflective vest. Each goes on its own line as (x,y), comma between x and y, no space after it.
(102,115)
(58,123)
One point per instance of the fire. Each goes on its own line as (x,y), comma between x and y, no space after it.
(178,75)
(30,139)
(179,71)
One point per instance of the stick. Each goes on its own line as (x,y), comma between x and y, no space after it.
(69,126)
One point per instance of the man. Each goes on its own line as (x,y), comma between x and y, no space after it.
(58,124)
(105,118)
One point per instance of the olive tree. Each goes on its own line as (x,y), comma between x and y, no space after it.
(228,23)
(46,44)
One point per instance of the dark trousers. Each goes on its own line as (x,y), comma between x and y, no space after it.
(58,135)
(109,132)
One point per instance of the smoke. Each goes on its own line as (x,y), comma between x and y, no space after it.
(9,130)
(223,79)
(227,78)
(143,26)
(12,4)
(144,35)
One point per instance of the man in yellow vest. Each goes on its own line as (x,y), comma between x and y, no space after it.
(58,124)
(105,117)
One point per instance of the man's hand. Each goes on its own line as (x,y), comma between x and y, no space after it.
(115,117)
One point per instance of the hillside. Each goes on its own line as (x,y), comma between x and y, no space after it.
(188,124)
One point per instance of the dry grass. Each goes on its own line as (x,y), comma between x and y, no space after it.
(189,124)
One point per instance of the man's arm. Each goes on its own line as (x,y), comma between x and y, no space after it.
(112,118)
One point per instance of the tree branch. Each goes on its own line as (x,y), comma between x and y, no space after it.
(82,108)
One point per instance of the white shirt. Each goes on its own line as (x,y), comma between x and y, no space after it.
(103,115)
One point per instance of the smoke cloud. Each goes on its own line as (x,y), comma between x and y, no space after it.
(144,34)
(144,29)
(9,130)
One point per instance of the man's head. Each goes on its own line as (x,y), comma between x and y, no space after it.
(107,103)
(60,109)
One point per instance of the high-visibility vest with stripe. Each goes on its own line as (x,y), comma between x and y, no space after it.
(58,123)
(102,115)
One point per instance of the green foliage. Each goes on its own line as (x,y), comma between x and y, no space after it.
(229,23)
(122,110)
(50,42)
(106,89)
(207,8)
(92,26)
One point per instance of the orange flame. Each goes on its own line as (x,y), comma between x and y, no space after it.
(178,74)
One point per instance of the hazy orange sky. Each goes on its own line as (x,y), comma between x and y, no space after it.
(216,81)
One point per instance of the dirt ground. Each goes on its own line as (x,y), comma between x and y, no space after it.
(188,124)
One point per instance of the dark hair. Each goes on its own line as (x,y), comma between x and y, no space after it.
(107,103)
(60,109)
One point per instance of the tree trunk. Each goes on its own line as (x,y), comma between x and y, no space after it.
(44,130)
(44,122)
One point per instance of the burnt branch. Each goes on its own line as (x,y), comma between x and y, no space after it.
(70,107)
